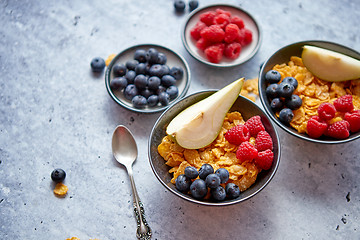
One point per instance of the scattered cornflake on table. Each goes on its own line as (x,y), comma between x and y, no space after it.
(250,89)
(61,190)
(109,59)
(73,238)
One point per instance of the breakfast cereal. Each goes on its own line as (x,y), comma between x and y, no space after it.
(60,189)
(219,154)
(314,91)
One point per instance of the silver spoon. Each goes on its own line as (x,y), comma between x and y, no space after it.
(125,152)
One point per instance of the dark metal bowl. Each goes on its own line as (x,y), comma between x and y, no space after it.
(283,56)
(248,109)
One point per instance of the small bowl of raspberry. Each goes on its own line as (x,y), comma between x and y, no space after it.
(246,158)
(303,104)
(221,35)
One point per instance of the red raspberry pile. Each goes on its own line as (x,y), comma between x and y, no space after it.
(324,124)
(219,34)
(260,152)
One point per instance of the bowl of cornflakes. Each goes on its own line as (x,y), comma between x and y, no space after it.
(168,160)
(306,106)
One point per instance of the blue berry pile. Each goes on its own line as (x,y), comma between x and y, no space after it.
(280,95)
(146,80)
(199,182)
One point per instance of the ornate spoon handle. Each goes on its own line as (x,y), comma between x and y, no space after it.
(143,231)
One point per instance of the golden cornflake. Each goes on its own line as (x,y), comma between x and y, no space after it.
(60,189)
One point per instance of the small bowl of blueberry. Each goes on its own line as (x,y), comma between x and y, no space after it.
(147,78)
(294,98)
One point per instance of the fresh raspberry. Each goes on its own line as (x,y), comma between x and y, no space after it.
(214,52)
(238,21)
(354,120)
(344,103)
(245,37)
(238,134)
(208,17)
(263,141)
(222,20)
(246,152)
(213,33)
(232,32)
(254,125)
(326,111)
(195,31)
(338,130)
(264,159)
(232,50)
(202,44)
(316,127)
(220,11)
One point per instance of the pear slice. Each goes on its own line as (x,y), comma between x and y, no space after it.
(198,125)
(329,65)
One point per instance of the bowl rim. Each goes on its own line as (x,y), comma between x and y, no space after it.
(277,121)
(218,204)
(248,57)
(120,102)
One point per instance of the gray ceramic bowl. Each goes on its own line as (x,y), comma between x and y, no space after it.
(173,59)
(246,52)
(283,56)
(248,109)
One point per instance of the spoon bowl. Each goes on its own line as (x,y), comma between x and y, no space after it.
(125,152)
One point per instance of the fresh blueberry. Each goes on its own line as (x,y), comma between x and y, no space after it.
(294,102)
(130,76)
(165,70)
(177,72)
(130,91)
(205,170)
(161,89)
(156,70)
(276,104)
(232,190)
(140,55)
(292,81)
(286,115)
(191,172)
(193,4)
(272,90)
(164,98)
(140,68)
(139,101)
(140,81)
(168,80)
(272,76)
(182,183)
(146,93)
(118,83)
(285,90)
(179,6)
(152,55)
(173,92)
(198,189)
(154,83)
(131,64)
(223,173)
(153,100)
(58,175)
(97,64)
(161,58)
(212,180)
(119,70)
(218,193)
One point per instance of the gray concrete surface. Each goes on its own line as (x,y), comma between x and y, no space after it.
(56,113)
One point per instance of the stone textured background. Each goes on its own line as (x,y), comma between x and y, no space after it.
(55,113)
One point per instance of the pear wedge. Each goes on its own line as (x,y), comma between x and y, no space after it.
(329,65)
(198,125)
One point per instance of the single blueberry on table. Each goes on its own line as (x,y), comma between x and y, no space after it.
(97,64)
(179,6)
(193,4)
(58,175)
